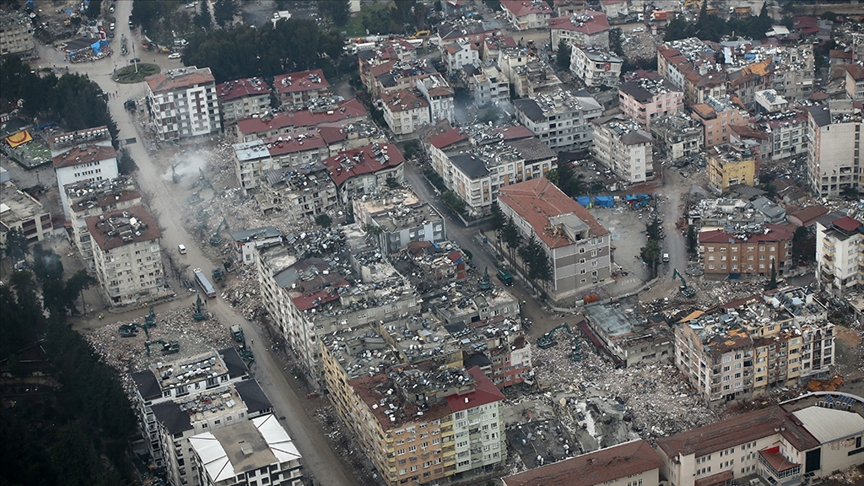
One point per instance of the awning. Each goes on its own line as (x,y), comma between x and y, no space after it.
(719,478)
(19,138)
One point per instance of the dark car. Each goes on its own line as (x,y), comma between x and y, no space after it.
(134,59)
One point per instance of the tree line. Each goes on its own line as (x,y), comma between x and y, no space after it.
(73,100)
(76,434)
(536,263)
(712,27)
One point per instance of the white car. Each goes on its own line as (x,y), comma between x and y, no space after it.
(175,55)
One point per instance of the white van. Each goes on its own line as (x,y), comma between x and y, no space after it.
(182,249)
(665,258)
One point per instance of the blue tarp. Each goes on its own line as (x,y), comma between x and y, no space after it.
(95,46)
(604,201)
(584,201)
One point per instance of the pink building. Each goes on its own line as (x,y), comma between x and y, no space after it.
(645,99)
(717,117)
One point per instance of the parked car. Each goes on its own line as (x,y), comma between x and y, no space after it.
(174,55)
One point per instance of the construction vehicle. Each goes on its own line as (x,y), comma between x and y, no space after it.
(548,340)
(150,319)
(420,34)
(217,274)
(198,315)
(215,239)
(483,283)
(691,3)
(167,348)
(575,353)
(685,290)
(131,330)
(237,334)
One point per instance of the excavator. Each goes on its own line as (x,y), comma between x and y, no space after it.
(198,315)
(131,330)
(548,340)
(215,239)
(167,348)
(150,319)
(483,283)
(686,291)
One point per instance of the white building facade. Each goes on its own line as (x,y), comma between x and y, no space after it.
(183,103)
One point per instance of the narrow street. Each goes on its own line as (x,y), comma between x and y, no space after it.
(168,204)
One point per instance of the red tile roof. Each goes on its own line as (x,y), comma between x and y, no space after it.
(359,161)
(605,465)
(775,232)
(302,81)
(521,8)
(346,109)
(485,392)
(538,200)
(448,138)
(148,232)
(402,100)
(516,133)
(856,70)
(596,23)
(308,301)
(84,155)
(333,132)
(231,90)
(176,80)
(294,142)
(847,224)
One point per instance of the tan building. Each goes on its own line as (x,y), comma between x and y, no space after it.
(716,117)
(586,28)
(16,33)
(20,211)
(746,253)
(127,255)
(627,464)
(404,111)
(855,81)
(578,247)
(833,152)
(527,15)
(729,167)
(296,90)
(644,100)
(243,98)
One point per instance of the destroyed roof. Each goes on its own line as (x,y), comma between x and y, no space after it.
(255,233)
(735,431)
(84,155)
(590,22)
(132,225)
(182,78)
(303,81)
(538,200)
(600,467)
(367,159)
(239,88)
(484,393)
(455,29)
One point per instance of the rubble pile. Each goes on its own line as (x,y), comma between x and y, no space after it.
(129,354)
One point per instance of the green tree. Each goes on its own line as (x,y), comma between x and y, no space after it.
(373,229)
(94,8)
(563,59)
(678,28)
(849,193)
(552,176)
(615,41)
(772,282)
(391,182)
(17,245)
(224,12)
(323,220)
(692,241)
(654,230)
(203,19)
(338,11)
(411,148)
(511,236)
(125,163)
(498,219)
(46,264)
(650,254)
(804,245)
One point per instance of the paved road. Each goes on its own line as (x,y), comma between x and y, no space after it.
(167,202)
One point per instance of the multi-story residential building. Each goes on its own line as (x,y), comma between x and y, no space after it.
(64,142)
(84,164)
(676,59)
(489,85)
(402,217)
(584,29)
(128,262)
(791,443)
(498,346)
(716,116)
(595,66)
(246,241)
(159,384)
(785,134)
(577,245)
(633,462)
(745,251)
(615,8)
(395,75)
(296,90)
(493,45)
(458,54)
(702,83)
(560,119)
(855,81)
(625,148)
(527,14)
(301,193)
(253,159)
(20,211)
(183,103)
(839,247)
(365,169)
(242,98)
(437,146)
(16,33)
(404,111)
(92,198)
(475,30)
(255,128)
(532,78)
(306,297)
(209,410)
(768,101)
(728,166)
(247,453)
(677,136)
(440,97)
(567,8)
(833,148)
(644,100)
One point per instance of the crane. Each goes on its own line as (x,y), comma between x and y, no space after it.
(685,290)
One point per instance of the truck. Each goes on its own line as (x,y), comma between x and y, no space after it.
(505,277)
(205,285)
(237,334)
